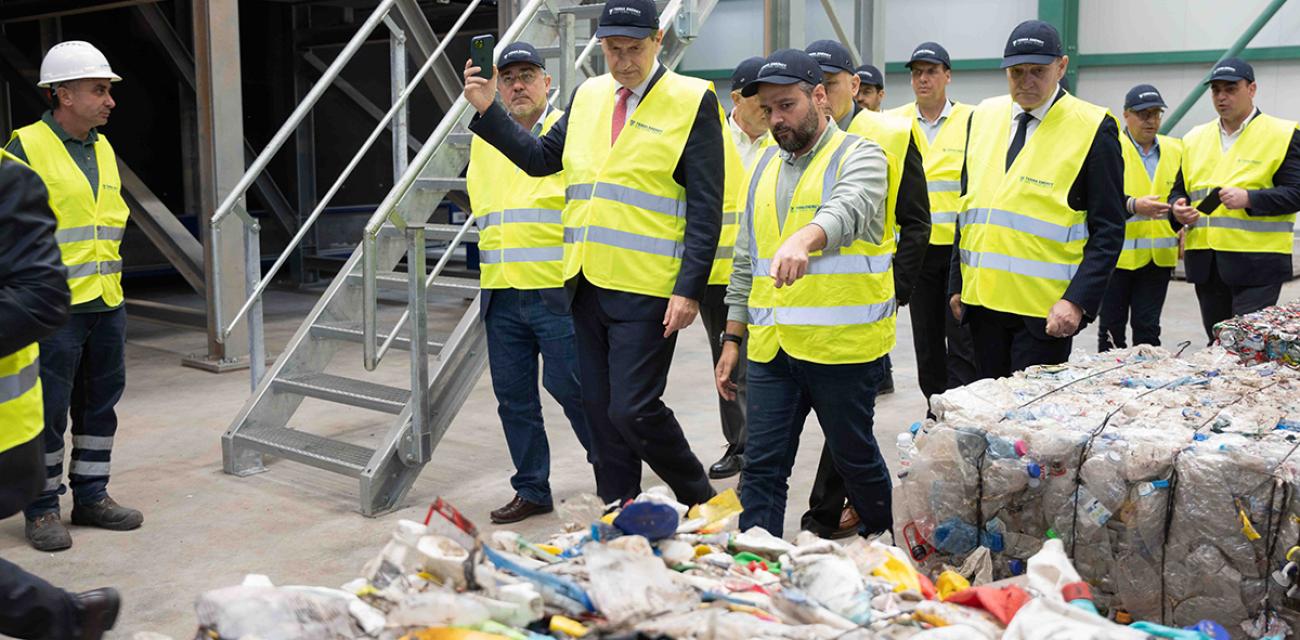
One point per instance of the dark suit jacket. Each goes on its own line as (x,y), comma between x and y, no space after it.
(34,296)
(913,218)
(1249,269)
(698,170)
(1098,190)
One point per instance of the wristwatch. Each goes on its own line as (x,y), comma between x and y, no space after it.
(730,337)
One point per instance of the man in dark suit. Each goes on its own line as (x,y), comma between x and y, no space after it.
(642,218)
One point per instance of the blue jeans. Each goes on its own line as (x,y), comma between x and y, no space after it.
(781,393)
(519,327)
(83,374)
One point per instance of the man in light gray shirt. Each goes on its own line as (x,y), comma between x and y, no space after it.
(824,322)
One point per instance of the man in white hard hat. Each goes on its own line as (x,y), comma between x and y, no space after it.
(82,365)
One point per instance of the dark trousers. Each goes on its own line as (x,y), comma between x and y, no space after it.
(1006,342)
(1220,300)
(782,392)
(624,365)
(1143,292)
(519,328)
(83,374)
(29,606)
(713,313)
(945,354)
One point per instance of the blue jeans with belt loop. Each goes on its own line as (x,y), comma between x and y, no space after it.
(83,374)
(519,328)
(781,394)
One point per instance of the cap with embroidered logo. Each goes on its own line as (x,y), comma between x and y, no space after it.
(930,52)
(869,74)
(628,18)
(520,52)
(831,55)
(1143,97)
(1232,70)
(1032,42)
(786,66)
(746,71)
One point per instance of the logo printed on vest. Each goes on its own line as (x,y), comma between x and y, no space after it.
(645,127)
(1045,184)
(1250,161)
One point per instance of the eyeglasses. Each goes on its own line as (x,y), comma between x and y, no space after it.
(1147,114)
(526,77)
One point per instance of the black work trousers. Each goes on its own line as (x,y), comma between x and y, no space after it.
(1137,297)
(1006,343)
(1220,300)
(29,606)
(624,359)
(945,354)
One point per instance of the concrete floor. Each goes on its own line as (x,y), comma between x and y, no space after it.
(204,529)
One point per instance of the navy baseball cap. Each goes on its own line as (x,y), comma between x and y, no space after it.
(871,75)
(831,55)
(786,66)
(1143,97)
(1232,70)
(628,18)
(746,71)
(520,52)
(1032,42)
(930,52)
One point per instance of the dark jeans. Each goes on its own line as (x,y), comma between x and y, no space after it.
(83,373)
(624,362)
(519,328)
(1219,300)
(1142,290)
(1006,343)
(29,606)
(713,313)
(782,392)
(945,354)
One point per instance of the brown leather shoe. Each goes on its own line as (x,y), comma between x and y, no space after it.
(96,612)
(518,509)
(849,522)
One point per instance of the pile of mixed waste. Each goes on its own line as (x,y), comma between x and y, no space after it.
(1171,482)
(1271,334)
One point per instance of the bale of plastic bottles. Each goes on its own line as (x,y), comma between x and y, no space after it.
(1267,335)
(1171,481)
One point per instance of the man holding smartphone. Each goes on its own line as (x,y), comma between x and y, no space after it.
(1238,251)
(642,218)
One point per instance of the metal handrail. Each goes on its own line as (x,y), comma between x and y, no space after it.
(403,98)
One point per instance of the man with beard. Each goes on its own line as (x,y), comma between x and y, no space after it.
(813,287)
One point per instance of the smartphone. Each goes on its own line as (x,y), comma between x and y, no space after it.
(1210,203)
(480,53)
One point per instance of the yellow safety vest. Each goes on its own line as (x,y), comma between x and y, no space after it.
(843,310)
(1021,243)
(90,228)
(943,160)
(521,230)
(893,134)
(625,215)
(1147,240)
(733,200)
(21,410)
(1249,164)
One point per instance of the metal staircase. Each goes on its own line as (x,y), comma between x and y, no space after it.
(444,367)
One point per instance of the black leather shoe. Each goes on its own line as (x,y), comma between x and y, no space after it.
(47,533)
(728,465)
(106,514)
(518,509)
(886,385)
(96,612)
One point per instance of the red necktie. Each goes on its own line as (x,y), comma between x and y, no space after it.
(620,114)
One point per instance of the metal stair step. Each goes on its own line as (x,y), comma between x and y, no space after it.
(445,285)
(348,391)
(460,139)
(441,184)
(351,332)
(308,448)
(436,231)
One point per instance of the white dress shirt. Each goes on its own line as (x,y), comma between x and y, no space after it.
(749,149)
(1038,114)
(1226,138)
(638,92)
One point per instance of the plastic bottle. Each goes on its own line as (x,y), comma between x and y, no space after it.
(904,452)
(1079,594)
(1000,448)
(955,537)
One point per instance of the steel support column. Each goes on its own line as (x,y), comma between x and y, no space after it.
(868,31)
(1064,15)
(221,164)
(443,79)
(783,25)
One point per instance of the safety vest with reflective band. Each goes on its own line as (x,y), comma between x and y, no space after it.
(1148,240)
(733,200)
(521,232)
(625,215)
(893,134)
(90,228)
(1249,163)
(21,410)
(842,311)
(943,159)
(1021,243)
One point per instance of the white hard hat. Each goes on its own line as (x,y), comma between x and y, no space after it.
(73,60)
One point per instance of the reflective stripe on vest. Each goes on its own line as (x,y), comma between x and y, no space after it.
(624,213)
(733,196)
(1148,240)
(843,309)
(1248,164)
(520,220)
(1021,243)
(20,397)
(91,223)
(943,159)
